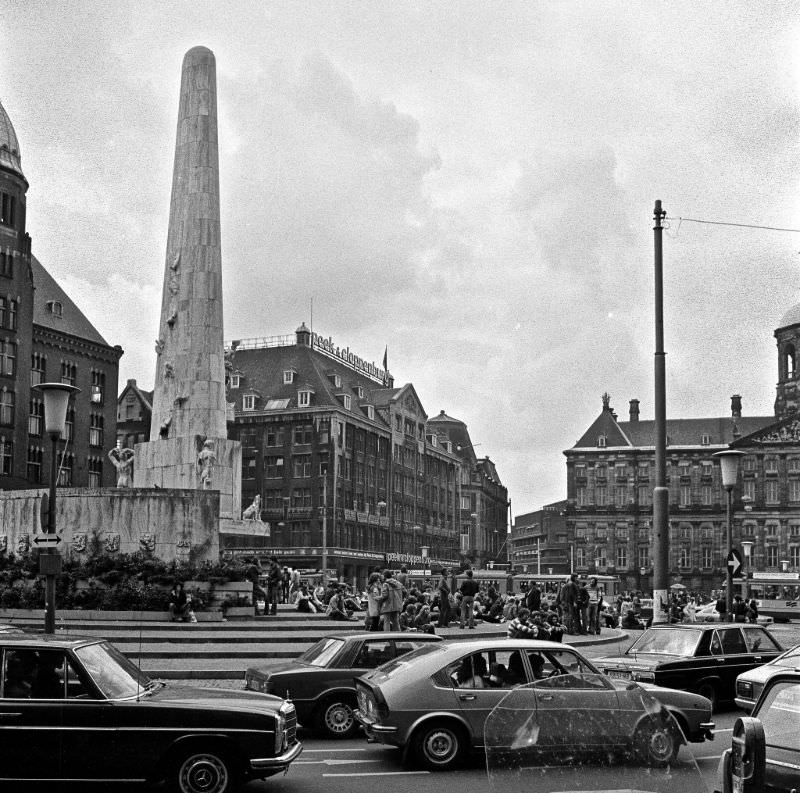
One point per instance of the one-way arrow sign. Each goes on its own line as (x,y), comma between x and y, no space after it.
(734,562)
(47,539)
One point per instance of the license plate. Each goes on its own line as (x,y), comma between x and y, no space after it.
(622,675)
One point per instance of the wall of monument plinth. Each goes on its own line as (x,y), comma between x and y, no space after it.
(173,463)
(169,523)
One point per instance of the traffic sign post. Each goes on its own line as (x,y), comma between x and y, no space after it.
(47,540)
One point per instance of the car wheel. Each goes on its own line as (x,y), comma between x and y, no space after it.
(708,691)
(335,718)
(657,744)
(204,772)
(439,746)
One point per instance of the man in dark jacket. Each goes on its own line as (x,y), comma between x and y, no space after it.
(468,589)
(569,602)
(274,586)
(444,599)
(391,601)
(533,599)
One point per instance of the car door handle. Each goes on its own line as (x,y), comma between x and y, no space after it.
(467,697)
(546,698)
(757,658)
(9,715)
(720,660)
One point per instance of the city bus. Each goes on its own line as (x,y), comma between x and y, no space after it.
(777,594)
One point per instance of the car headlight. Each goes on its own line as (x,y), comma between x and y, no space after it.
(744,688)
(281,744)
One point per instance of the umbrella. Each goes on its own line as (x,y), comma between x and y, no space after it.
(677,586)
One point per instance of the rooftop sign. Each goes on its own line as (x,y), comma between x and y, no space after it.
(346,356)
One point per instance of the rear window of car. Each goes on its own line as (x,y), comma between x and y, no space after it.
(425,649)
(321,653)
(759,639)
(666,642)
(780,715)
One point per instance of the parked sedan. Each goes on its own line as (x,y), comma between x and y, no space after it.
(434,703)
(75,708)
(705,659)
(749,685)
(772,763)
(320,682)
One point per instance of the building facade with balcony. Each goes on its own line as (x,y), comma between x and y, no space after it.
(539,542)
(45,337)
(342,460)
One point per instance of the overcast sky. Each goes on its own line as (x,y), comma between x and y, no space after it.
(469,183)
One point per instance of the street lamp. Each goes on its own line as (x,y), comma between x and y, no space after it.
(56,398)
(729,465)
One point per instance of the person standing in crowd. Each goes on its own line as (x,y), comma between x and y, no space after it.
(583,608)
(533,600)
(273,586)
(294,585)
(444,600)
(285,581)
(374,602)
(739,609)
(253,574)
(690,610)
(595,602)
(752,610)
(720,607)
(402,577)
(391,602)
(569,603)
(468,589)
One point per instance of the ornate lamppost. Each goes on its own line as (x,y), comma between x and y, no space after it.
(56,399)
(729,466)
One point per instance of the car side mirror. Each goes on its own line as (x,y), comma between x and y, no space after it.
(748,755)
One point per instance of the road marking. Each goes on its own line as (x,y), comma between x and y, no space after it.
(307,751)
(383,773)
(333,762)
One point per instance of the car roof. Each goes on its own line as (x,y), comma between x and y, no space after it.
(64,641)
(502,643)
(700,626)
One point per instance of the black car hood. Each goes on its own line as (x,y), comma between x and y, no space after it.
(638,660)
(225,697)
(276,667)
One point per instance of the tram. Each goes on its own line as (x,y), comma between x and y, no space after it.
(609,585)
(777,594)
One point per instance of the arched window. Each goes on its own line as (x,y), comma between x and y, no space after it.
(788,360)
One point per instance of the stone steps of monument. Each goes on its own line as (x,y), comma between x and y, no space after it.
(263,651)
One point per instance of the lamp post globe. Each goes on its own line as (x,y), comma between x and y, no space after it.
(56,398)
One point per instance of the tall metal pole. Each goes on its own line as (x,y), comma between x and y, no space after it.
(50,579)
(660,491)
(728,568)
(325,530)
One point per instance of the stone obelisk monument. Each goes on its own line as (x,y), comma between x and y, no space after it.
(188,445)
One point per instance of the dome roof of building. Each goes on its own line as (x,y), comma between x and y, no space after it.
(9,145)
(791,317)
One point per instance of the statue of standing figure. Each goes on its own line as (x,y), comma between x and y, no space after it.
(122,460)
(205,463)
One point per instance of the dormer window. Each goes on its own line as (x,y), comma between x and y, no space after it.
(360,391)
(236,380)
(346,401)
(370,412)
(249,402)
(337,381)
(601,441)
(54,307)
(288,376)
(706,440)
(304,398)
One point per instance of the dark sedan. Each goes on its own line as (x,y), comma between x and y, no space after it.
(705,659)
(75,708)
(320,682)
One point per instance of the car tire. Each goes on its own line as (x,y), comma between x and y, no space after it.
(204,771)
(335,717)
(657,743)
(438,746)
(709,691)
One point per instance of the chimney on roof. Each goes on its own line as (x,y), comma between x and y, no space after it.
(303,335)
(606,401)
(132,382)
(736,406)
(633,410)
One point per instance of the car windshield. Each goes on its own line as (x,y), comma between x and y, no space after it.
(112,672)
(425,649)
(665,642)
(322,652)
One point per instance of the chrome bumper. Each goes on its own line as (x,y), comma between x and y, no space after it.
(278,763)
(371,726)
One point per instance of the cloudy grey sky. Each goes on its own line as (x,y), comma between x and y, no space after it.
(471,183)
